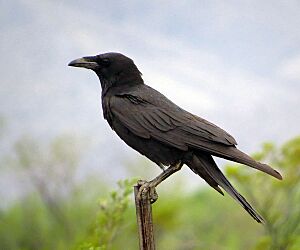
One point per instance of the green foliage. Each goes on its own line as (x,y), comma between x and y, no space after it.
(53,211)
(109,218)
(30,224)
(60,213)
(277,201)
(202,220)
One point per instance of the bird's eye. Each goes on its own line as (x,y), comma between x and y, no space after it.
(105,61)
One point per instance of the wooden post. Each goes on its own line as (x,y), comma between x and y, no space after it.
(144,220)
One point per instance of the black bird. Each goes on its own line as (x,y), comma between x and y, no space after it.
(166,134)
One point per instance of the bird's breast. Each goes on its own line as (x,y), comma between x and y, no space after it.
(107,114)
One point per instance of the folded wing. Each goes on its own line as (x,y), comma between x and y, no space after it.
(164,121)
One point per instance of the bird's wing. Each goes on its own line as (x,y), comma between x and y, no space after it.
(166,122)
(149,114)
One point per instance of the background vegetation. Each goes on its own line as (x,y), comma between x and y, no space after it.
(60,212)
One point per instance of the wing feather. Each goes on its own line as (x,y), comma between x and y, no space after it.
(149,114)
(180,129)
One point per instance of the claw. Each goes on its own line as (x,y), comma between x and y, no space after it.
(147,191)
(141,182)
(153,195)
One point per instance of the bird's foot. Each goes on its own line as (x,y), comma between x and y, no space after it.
(147,191)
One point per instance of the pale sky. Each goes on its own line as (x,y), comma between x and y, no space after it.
(235,63)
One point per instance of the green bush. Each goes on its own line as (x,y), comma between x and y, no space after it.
(48,218)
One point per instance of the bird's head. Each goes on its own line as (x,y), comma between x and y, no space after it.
(113,69)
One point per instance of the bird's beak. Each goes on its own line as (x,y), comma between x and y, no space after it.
(88,62)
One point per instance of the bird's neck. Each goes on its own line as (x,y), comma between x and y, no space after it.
(120,83)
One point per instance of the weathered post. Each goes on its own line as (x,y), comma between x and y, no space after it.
(144,220)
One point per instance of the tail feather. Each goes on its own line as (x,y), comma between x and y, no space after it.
(236,155)
(205,166)
(233,154)
(203,174)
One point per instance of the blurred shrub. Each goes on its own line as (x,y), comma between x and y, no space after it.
(52,212)
(61,213)
(277,201)
(109,218)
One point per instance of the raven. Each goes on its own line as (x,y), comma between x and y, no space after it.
(166,134)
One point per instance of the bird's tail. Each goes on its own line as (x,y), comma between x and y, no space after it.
(236,155)
(205,166)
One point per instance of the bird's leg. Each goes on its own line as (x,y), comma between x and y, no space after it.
(150,185)
(162,167)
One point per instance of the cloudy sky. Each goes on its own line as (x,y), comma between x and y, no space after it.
(235,63)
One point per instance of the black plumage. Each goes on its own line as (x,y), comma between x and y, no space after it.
(156,127)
